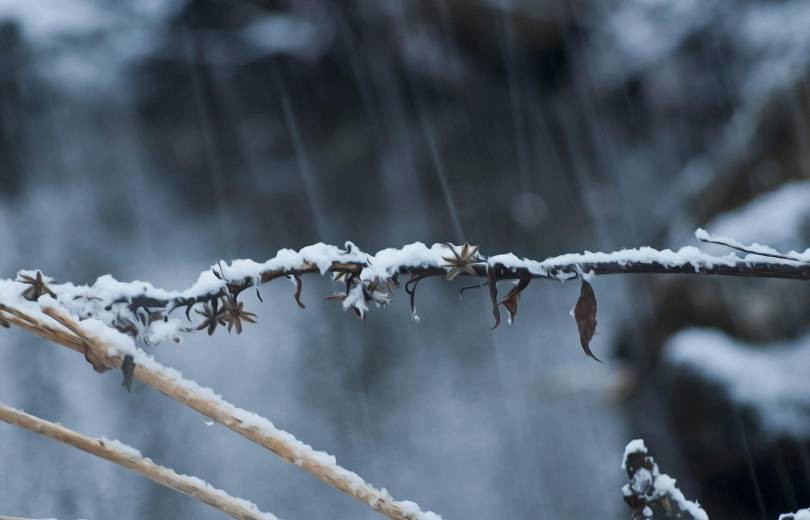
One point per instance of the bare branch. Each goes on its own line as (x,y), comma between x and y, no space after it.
(131,458)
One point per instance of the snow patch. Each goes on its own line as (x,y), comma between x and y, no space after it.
(771,379)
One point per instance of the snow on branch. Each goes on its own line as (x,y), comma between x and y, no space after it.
(152,315)
(650,494)
(107,348)
(132,459)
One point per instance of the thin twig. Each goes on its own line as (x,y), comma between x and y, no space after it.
(705,236)
(130,458)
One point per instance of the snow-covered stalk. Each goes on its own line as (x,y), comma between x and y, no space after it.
(132,459)
(205,401)
(651,494)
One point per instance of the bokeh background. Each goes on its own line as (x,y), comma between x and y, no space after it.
(150,138)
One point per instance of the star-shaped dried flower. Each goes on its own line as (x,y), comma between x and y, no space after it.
(37,286)
(234,312)
(461,261)
(213,316)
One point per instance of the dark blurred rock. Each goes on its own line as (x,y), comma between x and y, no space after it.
(743,471)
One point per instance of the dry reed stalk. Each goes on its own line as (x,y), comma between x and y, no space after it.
(131,459)
(258,429)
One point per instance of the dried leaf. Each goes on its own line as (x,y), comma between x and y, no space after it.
(128,369)
(148,316)
(585,315)
(298,286)
(410,288)
(666,504)
(492,281)
(125,326)
(188,310)
(510,301)
(476,286)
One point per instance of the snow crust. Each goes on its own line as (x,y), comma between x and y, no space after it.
(802,514)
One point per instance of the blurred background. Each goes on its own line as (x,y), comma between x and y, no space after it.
(150,138)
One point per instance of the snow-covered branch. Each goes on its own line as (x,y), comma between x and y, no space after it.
(106,348)
(652,495)
(152,315)
(103,320)
(130,458)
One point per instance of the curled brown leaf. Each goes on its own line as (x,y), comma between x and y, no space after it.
(492,281)
(298,286)
(410,288)
(468,287)
(128,369)
(585,315)
(510,301)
